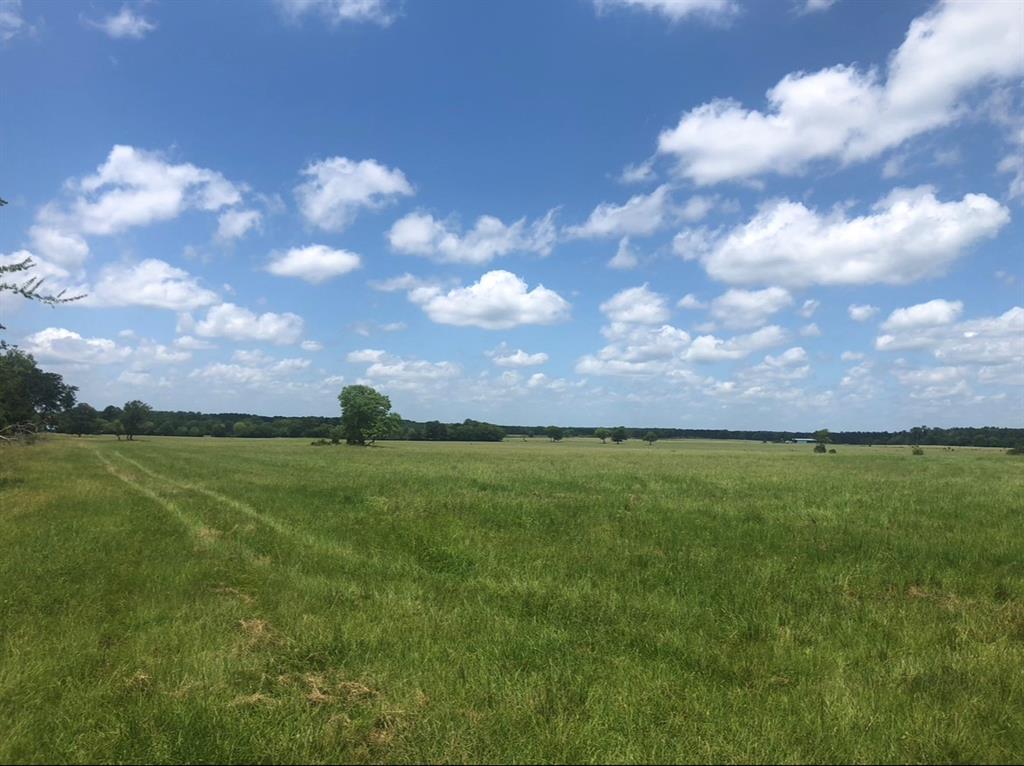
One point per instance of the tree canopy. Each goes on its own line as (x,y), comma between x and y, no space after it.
(29,395)
(365,414)
(134,417)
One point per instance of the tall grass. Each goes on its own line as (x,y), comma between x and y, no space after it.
(244,600)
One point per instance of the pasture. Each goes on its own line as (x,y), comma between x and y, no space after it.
(226,600)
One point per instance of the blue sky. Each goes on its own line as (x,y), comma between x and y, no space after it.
(692,213)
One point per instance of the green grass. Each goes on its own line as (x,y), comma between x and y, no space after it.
(224,600)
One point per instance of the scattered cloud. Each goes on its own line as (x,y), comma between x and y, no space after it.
(990,341)
(861,313)
(908,235)
(675,10)
(691,302)
(810,306)
(625,257)
(367,329)
(401,283)
(847,114)
(250,370)
(314,263)
(930,314)
(125,24)
(56,344)
(193,344)
(152,283)
(640,215)
(334,12)
(396,373)
(498,301)
(708,348)
(135,187)
(639,173)
(236,323)
(502,356)
(636,305)
(235,224)
(422,234)
(337,188)
(815,6)
(12,20)
(749,308)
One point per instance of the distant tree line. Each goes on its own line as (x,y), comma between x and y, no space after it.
(182,423)
(43,401)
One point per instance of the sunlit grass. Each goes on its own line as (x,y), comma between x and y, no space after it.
(244,600)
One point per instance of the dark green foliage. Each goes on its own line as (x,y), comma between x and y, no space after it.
(80,419)
(435,431)
(554,433)
(832,451)
(29,395)
(915,450)
(134,418)
(619,434)
(602,434)
(650,437)
(363,409)
(1018,450)
(823,436)
(820,448)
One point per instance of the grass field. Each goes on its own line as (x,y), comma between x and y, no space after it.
(245,600)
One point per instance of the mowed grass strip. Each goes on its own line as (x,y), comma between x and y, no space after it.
(246,600)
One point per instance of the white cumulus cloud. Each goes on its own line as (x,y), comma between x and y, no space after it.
(56,344)
(749,308)
(498,301)
(126,23)
(849,114)
(227,320)
(422,234)
(152,283)
(314,263)
(337,188)
(908,235)
(675,10)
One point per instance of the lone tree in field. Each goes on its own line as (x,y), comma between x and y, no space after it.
(619,435)
(602,434)
(822,436)
(133,417)
(554,433)
(650,437)
(364,411)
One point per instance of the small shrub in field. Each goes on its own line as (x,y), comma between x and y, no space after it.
(917,451)
(320,443)
(820,448)
(832,451)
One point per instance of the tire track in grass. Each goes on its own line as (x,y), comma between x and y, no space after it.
(194,527)
(199,531)
(273,523)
